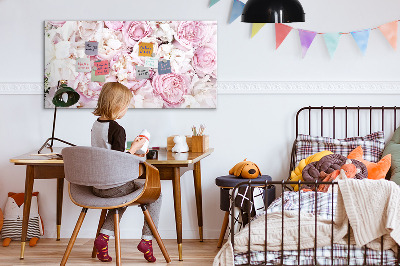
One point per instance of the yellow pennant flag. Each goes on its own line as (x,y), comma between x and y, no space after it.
(255,28)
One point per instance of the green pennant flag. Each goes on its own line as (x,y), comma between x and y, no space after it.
(213,2)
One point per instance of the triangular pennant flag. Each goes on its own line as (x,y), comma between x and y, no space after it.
(237,8)
(332,41)
(389,30)
(213,2)
(255,28)
(281,31)
(306,39)
(361,37)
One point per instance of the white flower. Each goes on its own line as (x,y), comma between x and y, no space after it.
(204,92)
(111,44)
(90,30)
(164,32)
(180,59)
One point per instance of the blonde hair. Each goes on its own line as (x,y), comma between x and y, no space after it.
(113,98)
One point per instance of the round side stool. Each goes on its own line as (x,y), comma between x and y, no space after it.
(228,182)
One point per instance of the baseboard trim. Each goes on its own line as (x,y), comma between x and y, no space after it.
(259,87)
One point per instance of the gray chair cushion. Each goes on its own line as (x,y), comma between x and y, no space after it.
(84,196)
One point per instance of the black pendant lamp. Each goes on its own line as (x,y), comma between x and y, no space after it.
(272,11)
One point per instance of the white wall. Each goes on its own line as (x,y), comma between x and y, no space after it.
(259,127)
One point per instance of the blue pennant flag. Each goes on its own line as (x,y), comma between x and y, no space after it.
(332,41)
(213,2)
(237,8)
(361,37)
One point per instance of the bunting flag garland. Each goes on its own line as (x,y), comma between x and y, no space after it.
(361,37)
(213,2)
(306,39)
(281,31)
(237,8)
(389,30)
(332,41)
(255,28)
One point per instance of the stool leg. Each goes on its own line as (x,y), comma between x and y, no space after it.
(223,229)
(117,239)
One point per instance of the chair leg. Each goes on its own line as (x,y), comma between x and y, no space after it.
(154,230)
(73,237)
(101,222)
(223,229)
(117,239)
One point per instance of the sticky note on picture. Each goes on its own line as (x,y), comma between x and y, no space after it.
(100,78)
(82,65)
(164,67)
(101,68)
(145,49)
(142,72)
(91,48)
(151,62)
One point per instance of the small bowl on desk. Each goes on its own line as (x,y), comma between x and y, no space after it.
(152,155)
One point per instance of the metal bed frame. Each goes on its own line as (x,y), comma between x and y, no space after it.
(283,184)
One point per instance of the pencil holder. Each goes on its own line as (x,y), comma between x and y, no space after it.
(200,143)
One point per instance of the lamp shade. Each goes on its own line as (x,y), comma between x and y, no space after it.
(273,11)
(65,96)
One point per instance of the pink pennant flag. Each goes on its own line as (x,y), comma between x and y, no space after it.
(389,30)
(281,31)
(306,39)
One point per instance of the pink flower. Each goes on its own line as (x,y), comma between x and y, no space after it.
(89,91)
(193,33)
(205,61)
(133,31)
(171,87)
(56,23)
(114,25)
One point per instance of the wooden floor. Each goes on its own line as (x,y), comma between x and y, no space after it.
(50,252)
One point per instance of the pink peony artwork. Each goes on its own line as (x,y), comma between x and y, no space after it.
(189,46)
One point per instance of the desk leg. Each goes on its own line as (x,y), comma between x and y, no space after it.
(199,204)
(60,190)
(27,206)
(176,182)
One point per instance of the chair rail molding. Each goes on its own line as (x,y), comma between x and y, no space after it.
(260,87)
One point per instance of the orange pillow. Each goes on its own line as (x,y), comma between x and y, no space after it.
(375,170)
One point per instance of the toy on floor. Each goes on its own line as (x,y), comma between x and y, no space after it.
(245,169)
(1,219)
(13,215)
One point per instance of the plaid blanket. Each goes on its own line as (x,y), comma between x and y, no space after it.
(323,205)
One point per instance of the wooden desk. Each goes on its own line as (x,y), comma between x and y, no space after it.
(171,167)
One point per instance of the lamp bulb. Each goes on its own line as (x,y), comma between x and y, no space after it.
(64,97)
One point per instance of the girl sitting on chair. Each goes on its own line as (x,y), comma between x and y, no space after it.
(106,133)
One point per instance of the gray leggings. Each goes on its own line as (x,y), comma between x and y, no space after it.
(154,208)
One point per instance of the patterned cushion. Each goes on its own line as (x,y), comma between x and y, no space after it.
(372,144)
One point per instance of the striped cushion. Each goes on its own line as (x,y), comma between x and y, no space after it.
(13,228)
(372,145)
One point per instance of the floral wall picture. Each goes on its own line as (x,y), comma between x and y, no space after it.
(166,64)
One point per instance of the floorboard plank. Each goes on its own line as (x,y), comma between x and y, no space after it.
(49,252)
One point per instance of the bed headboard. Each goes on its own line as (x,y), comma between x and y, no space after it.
(344,121)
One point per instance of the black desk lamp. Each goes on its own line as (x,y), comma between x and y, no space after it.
(273,11)
(64,97)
